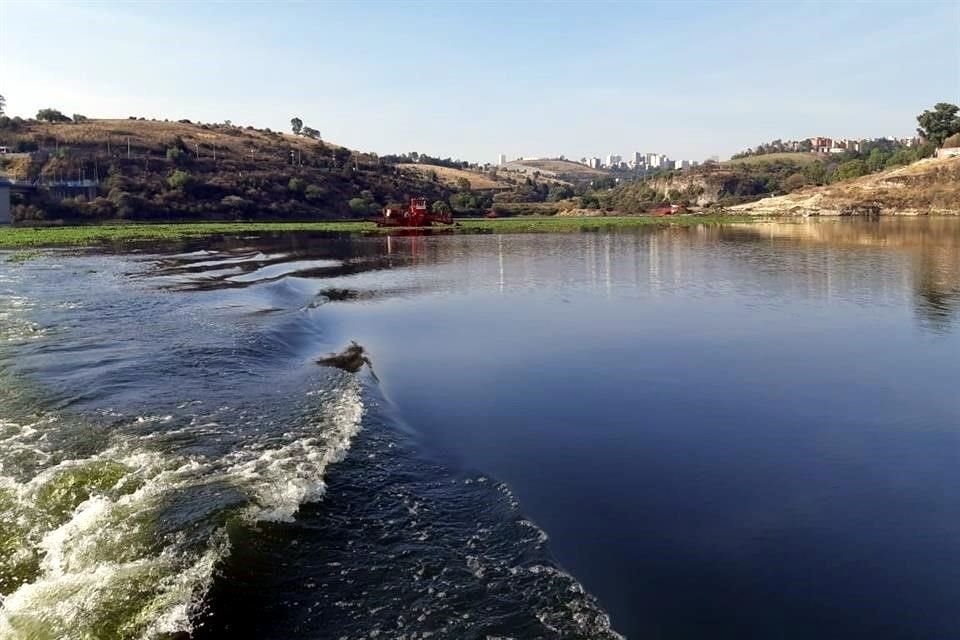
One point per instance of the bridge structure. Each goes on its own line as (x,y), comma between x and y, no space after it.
(57,189)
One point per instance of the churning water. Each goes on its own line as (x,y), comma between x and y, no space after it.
(737,432)
(154,432)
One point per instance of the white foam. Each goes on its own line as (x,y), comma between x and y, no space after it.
(283,478)
(107,548)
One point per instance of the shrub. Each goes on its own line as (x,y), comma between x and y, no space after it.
(175,155)
(297,185)
(794,182)
(359,206)
(51,115)
(315,193)
(180,180)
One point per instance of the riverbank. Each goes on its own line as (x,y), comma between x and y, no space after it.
(26,237)
(927,187)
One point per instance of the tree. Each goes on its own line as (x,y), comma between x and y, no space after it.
(851,169)
(296,124)
(180,180)
(51,115)
(877,159)
(79,118)
(440,207)
(816,172)
(312,133)
(900,157)
(463,184)
(939,124)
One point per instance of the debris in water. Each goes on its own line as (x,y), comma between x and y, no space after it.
(350,359)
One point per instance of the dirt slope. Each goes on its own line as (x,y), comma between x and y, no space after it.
(927,187)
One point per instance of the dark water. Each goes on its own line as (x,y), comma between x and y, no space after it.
(744,432)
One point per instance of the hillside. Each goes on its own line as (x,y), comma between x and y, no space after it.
(147,169)
(925,187)
(564,170)
(450,177)
(800,159)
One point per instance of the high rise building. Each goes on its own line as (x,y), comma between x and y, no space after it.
(502,160)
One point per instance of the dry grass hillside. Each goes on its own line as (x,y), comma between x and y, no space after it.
(450,177)
(560,169)
(148,169)
(799,159)
(927,187)
(154,135)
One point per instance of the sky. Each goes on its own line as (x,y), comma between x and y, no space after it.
(472,80)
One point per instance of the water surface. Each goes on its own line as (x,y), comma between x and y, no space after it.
(744,432)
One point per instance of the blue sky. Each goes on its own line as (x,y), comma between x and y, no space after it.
(471,80)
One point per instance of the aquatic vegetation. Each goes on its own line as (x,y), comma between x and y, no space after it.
(17,237)
(23,256)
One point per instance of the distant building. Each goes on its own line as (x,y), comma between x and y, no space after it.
(502,159)
(821,145)
(596,163)
(681,164)
(4,201)
(613,160)
(659,161)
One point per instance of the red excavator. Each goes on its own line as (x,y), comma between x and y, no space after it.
(416,215)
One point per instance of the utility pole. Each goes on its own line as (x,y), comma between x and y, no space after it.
(198,151)
(214,151)
(128,147)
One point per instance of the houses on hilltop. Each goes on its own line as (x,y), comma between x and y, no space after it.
(824,145)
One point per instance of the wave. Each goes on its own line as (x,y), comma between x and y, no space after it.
(124,543)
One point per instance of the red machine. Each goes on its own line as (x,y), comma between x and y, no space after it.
(416,215)
(669,210)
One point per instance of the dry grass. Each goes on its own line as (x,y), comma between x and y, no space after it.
(563,168)
(449,176)
(793,158)
(926,187)
(154,134)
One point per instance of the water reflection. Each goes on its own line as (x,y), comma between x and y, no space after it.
(860,261)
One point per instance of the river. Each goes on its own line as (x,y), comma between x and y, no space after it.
(747,431)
